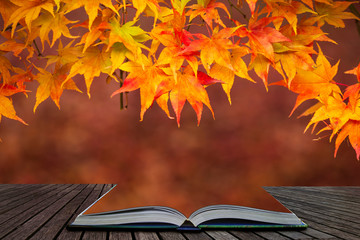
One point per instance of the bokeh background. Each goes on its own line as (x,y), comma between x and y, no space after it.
(252,142)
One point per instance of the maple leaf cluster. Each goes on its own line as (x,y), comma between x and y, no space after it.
(191,45)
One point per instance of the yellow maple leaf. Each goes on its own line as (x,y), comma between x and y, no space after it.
(334,13)
(90,66)
(56,23)
(52,84)
(150,79)
(28,10)
(6,107)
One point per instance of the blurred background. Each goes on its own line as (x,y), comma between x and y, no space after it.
(252,142)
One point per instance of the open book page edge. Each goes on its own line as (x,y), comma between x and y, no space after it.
(83,212)
(243,213)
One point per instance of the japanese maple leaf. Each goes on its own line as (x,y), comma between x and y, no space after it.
(141,5)
(68,54)
(16,48)
(355,71)
(97,31)
(29,10)
(261,37)
(128,34)
(5,68)
(214,49)
(189,87)
(332,108)
(261,66)
(226,75)
(351,130)
(173,54)
(52,84)
(317,83)
(208,11)
(150,79)
(297,53)
(90,65)
(6,107)
(93,6)
(6,10)
(289,11)
(334,13)
(56,23)
(176,40)
(350,127)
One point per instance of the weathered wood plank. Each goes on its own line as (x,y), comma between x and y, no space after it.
(313,233)
(330,191)
(33,224)
(11,193)
(146,236)
(319,196)
(23,197)
(171,236)
(51,228)
(7,188)
(271,235)
(339,234)
(295,235)
(13,219)
(325,206)
(117,235)
(325,216)
(94,235)
(65,234)
(221,235)
(197,236)
(246,235)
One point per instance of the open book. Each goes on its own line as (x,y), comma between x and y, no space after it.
(108,212)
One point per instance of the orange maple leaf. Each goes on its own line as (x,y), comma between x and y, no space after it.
(352,130)
(93,62)
(53,84)
(93,6)
(261,37)
(28,10)
(355,71)
(214,49)
(149,78)
(226,75)
(287,10)
(6,106)
(56,23)
(334,13)
(315,84)
(189,87)
(141,5)
(208,12)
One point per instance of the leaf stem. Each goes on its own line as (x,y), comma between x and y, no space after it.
(37,49)
(238,9)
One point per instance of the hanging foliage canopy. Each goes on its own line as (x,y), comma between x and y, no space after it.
(189,46)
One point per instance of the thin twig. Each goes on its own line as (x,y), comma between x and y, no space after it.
(238,9)
(37,49)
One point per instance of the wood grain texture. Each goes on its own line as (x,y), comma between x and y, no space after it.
(30,211)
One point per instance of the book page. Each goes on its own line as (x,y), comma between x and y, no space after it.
(187,200)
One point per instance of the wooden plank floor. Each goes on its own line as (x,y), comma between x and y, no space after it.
(43,212)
